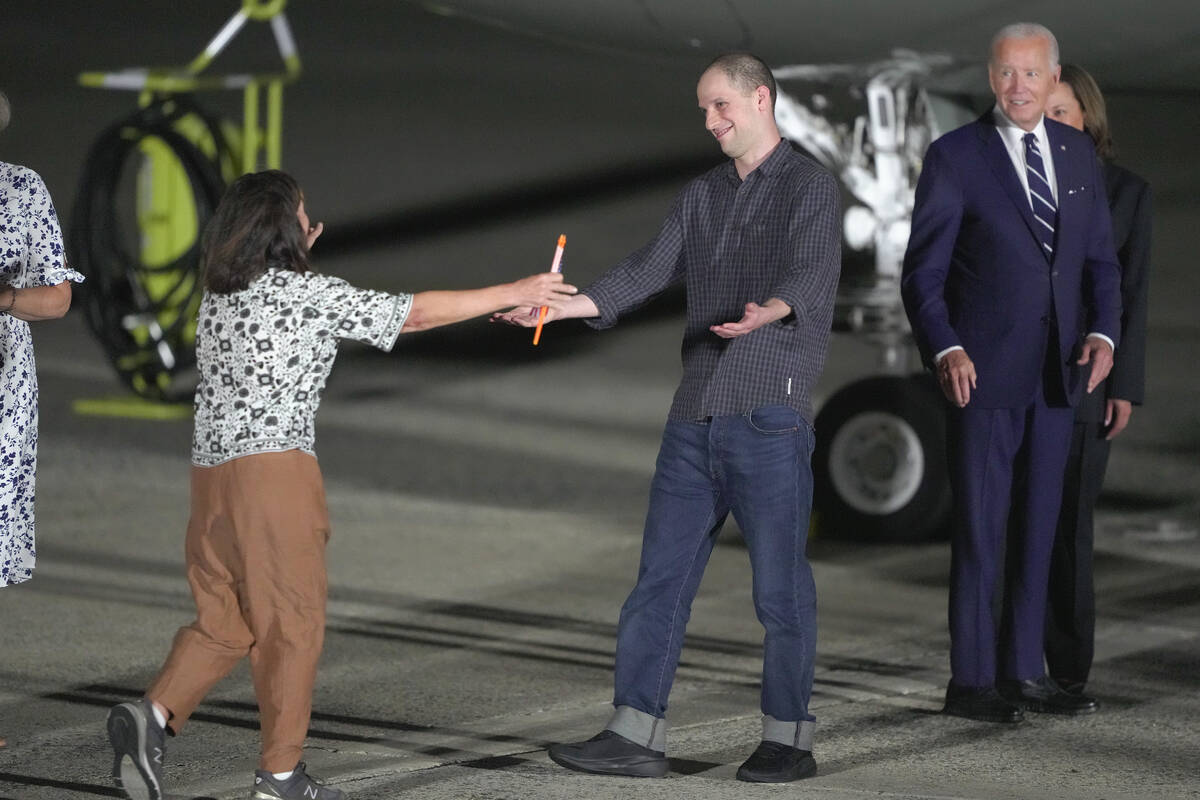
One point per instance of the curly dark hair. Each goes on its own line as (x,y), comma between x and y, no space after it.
(255,228)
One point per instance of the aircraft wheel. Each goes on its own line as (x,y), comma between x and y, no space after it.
(879,466)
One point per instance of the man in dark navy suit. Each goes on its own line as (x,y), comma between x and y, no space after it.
(1011,285)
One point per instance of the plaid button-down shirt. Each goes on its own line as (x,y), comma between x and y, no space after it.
(775,234)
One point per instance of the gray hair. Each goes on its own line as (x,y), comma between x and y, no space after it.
(5,111)
(1025,30)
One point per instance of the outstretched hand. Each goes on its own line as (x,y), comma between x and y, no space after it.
(542,289)
(524,316)
(755,317)
(568,306)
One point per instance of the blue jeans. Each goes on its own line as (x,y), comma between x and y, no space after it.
(757,465)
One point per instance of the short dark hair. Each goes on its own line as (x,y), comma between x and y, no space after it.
(255,228)
(746,72)
(1095,116)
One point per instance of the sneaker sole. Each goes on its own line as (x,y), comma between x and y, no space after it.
(650,768)
(131,772)
(257,795)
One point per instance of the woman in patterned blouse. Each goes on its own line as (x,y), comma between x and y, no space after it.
(267,337)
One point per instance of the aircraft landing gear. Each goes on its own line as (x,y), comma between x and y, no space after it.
(879,466)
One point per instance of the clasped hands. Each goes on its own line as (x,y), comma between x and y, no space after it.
(754,316)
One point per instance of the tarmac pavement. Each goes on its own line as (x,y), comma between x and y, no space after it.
(471,623)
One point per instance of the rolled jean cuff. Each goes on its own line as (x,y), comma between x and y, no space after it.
(794,734)
(639,728)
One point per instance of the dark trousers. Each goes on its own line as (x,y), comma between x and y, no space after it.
(1003,462)
(1071,607)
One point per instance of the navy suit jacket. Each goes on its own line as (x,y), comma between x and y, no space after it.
(975,274)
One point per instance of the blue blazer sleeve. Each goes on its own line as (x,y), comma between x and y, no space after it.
(937,216)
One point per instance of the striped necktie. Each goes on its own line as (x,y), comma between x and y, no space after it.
(1044,210)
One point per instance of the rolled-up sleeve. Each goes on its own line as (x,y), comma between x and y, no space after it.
(364,315)
(815,236)
(641,275)
(45,257)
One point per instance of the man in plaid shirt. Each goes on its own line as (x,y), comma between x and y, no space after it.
(757,241)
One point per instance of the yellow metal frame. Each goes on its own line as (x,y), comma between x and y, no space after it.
(155,82)
(166,210)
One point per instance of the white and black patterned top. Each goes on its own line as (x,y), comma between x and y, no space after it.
(775,234)
(264,354)
(31,254)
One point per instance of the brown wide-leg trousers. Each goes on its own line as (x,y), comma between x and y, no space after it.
(255,558)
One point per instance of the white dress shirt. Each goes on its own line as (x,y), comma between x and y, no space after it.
(1013,137)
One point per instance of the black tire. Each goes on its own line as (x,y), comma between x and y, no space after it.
(879,467)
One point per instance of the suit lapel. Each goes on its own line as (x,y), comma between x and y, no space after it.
(996,155)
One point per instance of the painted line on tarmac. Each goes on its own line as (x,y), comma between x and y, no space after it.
(611,450)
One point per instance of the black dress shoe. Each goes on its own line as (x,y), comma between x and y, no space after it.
(982,705)
(609,753)
(1071,686)
(1044,696)
(772,762)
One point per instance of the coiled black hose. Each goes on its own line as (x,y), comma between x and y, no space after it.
(143,315)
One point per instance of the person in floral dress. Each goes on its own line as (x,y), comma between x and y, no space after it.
(34,285)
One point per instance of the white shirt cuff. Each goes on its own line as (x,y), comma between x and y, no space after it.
(938,358)
(1105,338)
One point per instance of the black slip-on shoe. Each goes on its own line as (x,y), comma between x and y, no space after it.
(981,705)
(773,762)
(1044,696)
(609,753)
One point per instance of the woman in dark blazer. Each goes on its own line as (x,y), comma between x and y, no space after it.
(1101,415)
